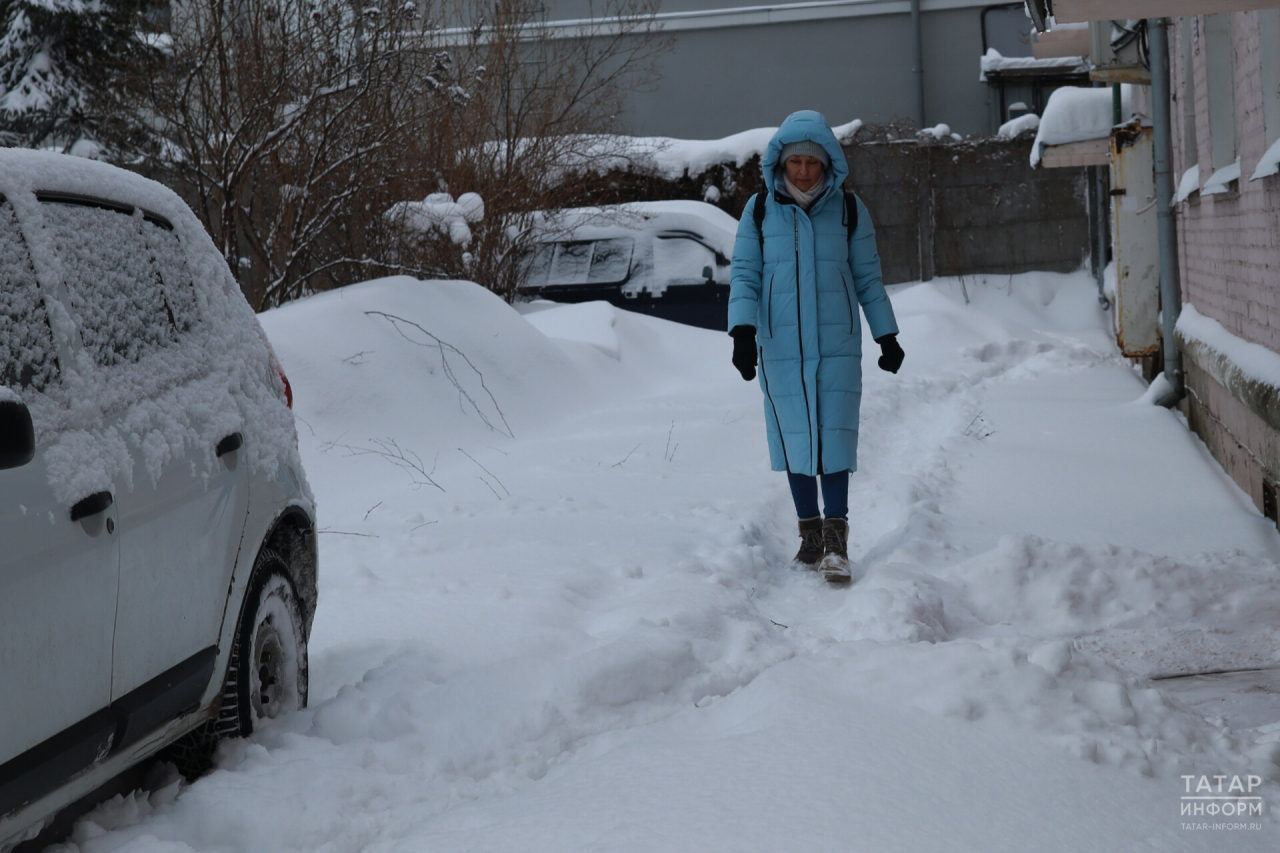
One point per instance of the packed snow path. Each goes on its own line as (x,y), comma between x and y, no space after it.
(556,612)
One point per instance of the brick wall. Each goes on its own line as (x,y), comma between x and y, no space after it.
(1230,242)
(1229,255)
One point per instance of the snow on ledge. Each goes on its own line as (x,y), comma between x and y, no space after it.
(1269,164)
(1255,362)
(1188,184)
(1219,181)
(1077,114)
(993,61)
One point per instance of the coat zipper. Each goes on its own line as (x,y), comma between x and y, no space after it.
(795,220)
(764,380)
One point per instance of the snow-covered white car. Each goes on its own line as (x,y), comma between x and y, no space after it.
(669,259)
(157,544)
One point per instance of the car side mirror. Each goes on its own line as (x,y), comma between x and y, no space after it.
(709,274)
(17,435)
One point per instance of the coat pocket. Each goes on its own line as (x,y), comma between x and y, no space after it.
(766,308)
(848,295)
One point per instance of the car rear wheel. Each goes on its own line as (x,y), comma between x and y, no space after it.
(266,671)
(267,675)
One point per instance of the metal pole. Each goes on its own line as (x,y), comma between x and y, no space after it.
(917,69)
(1170,287)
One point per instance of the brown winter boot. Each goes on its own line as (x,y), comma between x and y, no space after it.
(811,549)
(835,540)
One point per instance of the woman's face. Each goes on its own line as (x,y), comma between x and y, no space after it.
(804,171)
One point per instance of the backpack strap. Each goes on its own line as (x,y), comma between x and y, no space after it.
(850,214)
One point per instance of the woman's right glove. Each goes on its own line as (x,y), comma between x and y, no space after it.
(891,354)
(744,351)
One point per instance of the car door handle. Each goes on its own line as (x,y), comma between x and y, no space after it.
(229,444)
(92,505)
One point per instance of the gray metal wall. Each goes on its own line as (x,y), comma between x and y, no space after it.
(719,81)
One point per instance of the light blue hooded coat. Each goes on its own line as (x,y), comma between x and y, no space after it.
(801,296)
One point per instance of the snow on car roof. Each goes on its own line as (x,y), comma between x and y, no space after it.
(25,170)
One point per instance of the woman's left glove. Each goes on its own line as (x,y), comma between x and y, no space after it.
(891,355)
(744,351)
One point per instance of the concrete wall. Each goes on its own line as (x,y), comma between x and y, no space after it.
(940,208)
(976,207)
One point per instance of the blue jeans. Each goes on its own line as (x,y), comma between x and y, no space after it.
(835,494)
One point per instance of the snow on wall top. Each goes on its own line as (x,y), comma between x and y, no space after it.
(673,157)
(1012,129)
(670,157)
(153,369)
(1076,114)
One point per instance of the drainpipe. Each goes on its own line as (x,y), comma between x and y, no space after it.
(1101,206)
(918,69)
(1170,287)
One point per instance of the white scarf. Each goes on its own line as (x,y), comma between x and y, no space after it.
(805,199)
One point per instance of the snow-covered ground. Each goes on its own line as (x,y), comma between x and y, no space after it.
(556,612)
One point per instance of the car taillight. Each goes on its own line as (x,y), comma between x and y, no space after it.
(288,389)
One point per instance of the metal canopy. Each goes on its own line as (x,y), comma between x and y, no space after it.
(1077,11)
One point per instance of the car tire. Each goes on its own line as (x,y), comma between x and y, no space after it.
(267,670)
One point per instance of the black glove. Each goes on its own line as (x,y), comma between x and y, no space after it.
(891,355)
(744,351)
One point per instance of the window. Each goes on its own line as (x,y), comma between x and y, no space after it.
(571,263)
(1269,44)
(580,262)
(539,264)
(611,261)
(680,260)
(115,291)
(1189,30)
(1220,61)
(27,356)
(171,263)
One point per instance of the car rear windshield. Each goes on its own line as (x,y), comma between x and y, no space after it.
(115,266)
(27,355)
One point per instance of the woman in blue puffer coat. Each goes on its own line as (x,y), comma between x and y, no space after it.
(797,278)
